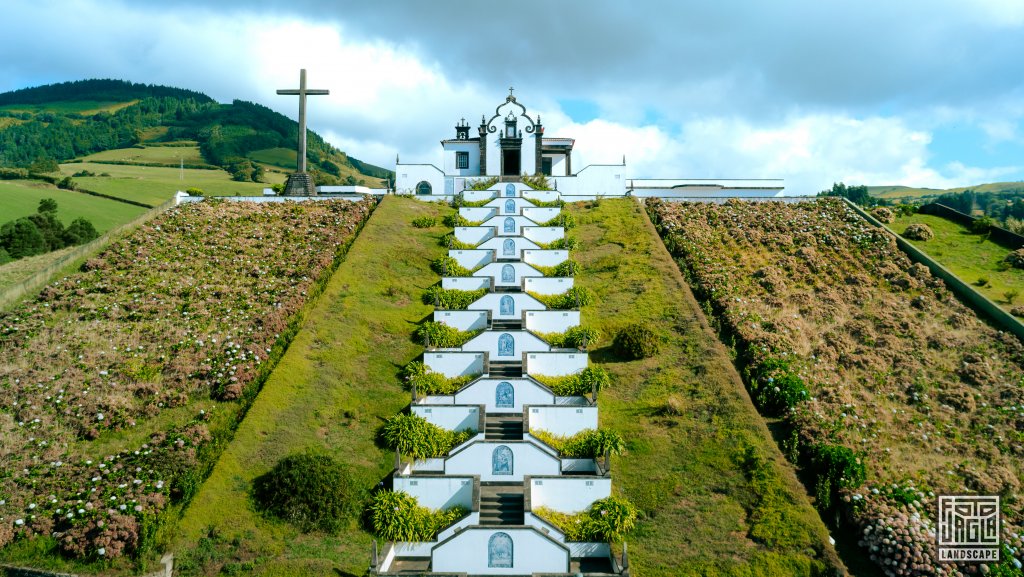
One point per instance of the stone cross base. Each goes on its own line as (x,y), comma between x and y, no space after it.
(299,184)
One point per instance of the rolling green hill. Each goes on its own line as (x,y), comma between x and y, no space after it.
(96,119)
(915,194)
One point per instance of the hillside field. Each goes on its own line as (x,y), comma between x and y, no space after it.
(972,257)
(916,194)
(85,107)
(154,185)
(161,154)
(21,198)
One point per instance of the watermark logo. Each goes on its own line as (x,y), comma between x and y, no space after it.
(968,528)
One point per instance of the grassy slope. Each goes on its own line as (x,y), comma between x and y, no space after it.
(166,154)
(331,389)
(684,471)
(154,185)
(969,256)
(276,159)
(21,198)
(896,192)
(85,107)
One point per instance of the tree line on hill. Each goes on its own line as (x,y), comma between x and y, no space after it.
(42,232)
(226,133)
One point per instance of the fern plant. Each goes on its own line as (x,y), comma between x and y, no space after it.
(577,384)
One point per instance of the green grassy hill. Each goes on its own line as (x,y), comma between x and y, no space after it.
(916,194)
(21,198)
(98,119)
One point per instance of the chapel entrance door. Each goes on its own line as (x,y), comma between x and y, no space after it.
(510,163)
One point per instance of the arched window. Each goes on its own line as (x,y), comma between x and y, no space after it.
(504,396)
(424,187)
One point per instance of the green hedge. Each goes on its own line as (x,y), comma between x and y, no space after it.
(414,436)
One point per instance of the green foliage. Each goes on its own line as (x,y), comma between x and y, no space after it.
(855,194)
(42,232)
(536,182)
(424,222)
(636,341)
(564,243)
(482,183)
(397,516)
(450,242)
(572,299)
(776,386)
(44,165)
(982,224)
(197,191)
(586,444)
(459,200)
(566,268)
(557,203)
(607,520)
(443,336)
(414,436)
(426,382)
(311,490)
(47,205)
(451,299)
(455,219)
(448,266)
(564,220)
(832,467)
(575,338)
(5,257)
(80,231)
(578,384)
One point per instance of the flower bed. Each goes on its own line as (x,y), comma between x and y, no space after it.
(188,308)
(870,360)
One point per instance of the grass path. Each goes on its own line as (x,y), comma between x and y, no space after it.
(718,497)
(969,256)
(330,390)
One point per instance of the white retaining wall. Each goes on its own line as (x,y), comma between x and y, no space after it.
(545,257)
(562,421)
(472,259)
(477,213)
(495,270)
(541,195)
(527,460)
(463,320)
(555,364)
(543,234)
(509,225)
(532,552)
(522,342)
(497,244)
(551,285)
(549,321)
(568,494)
(437,492)
(541,214)
(465,283)
(454,364)
(520,302)
(502,205)
(473,234)
(451,417)
(524,392)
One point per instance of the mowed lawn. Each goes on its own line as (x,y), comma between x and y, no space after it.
(716,494)
(154,185)
(163,154)
(21,198)
(972,257)
(331,390)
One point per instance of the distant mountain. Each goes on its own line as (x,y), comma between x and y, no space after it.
(916,194)
(72,119)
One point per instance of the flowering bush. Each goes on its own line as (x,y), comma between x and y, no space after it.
(188,307)
(882,374)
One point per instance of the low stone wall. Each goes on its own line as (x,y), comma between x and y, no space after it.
(1011,240)
(972,298)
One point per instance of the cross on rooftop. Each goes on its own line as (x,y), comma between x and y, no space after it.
(302,92)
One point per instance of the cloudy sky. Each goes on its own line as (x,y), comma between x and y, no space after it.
(922,93)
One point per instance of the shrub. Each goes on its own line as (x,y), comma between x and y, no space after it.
(564,243)
(455,219)
(574,338)
(776,387)
(448,266)
(196,191)
(566,268)
(574,298)
(451,243)
(918,231)
(636,341)
(397,516)
(586,444)
(416,374)
(414,436)
(833,467)
(1015,258)
(536,182)
(451,299)
(441,335)
(981,225)
(882,214)
(564,220)
(606,520)
(579,384)
(982,281)
(311,490)
(424,222)
(482,183)
(1010,295)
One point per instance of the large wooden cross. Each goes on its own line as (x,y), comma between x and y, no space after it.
(302,92)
